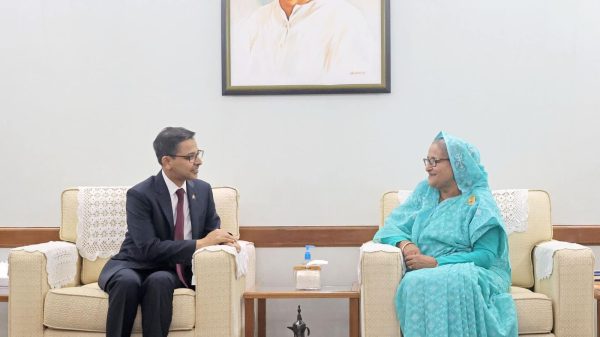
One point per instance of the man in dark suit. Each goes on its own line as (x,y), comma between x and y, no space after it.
(169,216)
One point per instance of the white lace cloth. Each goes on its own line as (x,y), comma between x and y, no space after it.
(372,247)
(241,258)
(61,261)
(102,221)
(544,256)
(514,207)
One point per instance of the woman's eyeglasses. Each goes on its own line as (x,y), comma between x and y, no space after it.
(433,161)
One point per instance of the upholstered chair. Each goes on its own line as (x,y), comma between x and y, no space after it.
(560,305)
(79,308)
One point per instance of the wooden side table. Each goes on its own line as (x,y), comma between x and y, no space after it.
(352,293)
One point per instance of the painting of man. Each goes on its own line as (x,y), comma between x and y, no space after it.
(305,42)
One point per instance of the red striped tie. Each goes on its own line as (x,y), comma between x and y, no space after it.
(179,231)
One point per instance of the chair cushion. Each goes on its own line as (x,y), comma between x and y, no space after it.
(84,309)
(534,311)
(226,204)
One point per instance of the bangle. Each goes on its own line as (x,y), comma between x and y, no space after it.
(404,245)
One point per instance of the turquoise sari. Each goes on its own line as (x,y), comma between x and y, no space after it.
(467,294)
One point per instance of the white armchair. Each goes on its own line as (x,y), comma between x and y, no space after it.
(559,306)
(214,309)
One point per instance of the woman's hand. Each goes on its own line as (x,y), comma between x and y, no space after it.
(408,248)
(420,261)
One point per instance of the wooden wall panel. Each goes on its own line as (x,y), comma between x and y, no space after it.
(11,237)
(585,235)
(298,236)
(291,236)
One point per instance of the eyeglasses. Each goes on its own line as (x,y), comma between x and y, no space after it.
(433,161)
(191,157)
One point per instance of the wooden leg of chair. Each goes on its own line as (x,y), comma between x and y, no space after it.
(354,317)
(249,319)
(262,312)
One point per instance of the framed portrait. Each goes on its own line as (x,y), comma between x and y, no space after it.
(305,46)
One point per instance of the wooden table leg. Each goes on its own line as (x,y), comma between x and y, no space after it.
(354,317)
(598,318)
(249,319)
(262,312)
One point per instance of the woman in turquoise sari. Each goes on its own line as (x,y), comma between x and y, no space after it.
(453,241)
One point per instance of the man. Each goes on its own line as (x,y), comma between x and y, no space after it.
(301,42)
(169,216)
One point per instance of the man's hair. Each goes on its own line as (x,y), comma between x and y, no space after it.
(167,141)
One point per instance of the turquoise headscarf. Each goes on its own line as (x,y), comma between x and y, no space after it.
(455,224)
(465,161)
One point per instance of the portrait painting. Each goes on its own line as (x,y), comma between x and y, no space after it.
(305,46)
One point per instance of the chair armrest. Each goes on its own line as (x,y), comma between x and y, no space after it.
(27,291)
(571,289)
(380,274)
(218,295)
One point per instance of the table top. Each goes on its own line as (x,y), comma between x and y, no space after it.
(345,291)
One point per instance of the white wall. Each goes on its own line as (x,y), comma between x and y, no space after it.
(86,85)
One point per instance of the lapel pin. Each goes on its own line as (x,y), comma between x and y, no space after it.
(193,197)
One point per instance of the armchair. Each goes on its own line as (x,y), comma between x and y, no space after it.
(558,306)
(79,308)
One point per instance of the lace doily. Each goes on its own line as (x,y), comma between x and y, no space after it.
(544,256)
(102,221)
(514,207)
(241,258)
(61,261)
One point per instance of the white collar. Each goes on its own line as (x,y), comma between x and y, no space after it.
(171,186)
(298,11)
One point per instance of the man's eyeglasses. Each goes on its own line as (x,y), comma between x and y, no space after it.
(433,161)
(191,157)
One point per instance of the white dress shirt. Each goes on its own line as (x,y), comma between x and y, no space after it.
(187,222)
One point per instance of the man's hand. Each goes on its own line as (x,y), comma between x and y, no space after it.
(216,237)
(236,245)
(420,261)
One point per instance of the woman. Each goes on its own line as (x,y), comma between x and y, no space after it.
(455,247)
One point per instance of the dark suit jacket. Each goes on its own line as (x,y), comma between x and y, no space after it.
(149,241)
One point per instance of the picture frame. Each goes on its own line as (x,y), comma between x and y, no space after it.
(320,47)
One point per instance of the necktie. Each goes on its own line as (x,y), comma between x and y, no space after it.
(179,230)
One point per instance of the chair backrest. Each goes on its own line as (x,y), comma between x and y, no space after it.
(226,203)
(521,244)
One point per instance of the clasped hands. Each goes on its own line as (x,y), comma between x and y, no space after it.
(217,237)
(413,258)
